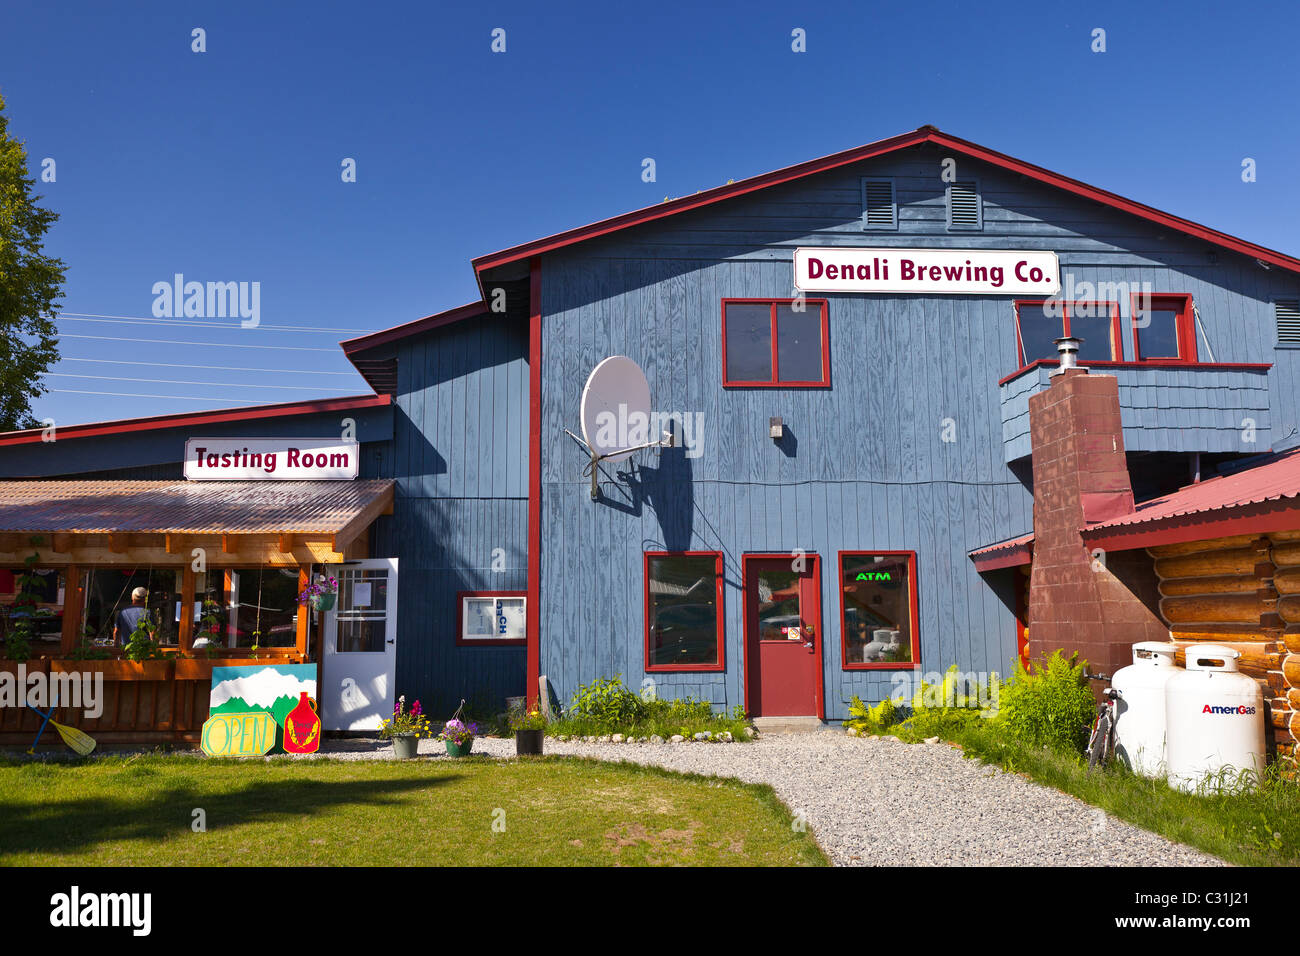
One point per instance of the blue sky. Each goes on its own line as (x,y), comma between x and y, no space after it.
(225,165)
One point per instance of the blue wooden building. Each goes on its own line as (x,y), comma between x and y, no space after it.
(785,567)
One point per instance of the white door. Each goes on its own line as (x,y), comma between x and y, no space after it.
(359,646)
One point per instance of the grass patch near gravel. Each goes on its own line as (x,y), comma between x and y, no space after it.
(1260,827)
(558,811)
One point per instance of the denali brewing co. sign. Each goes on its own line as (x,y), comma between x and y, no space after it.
(927,271)
(285,459)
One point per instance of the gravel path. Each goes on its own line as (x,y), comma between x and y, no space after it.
(877,802)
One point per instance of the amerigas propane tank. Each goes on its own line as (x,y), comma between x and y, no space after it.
(1215,718)
(1140,708)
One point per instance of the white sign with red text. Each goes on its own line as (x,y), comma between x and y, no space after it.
(271,459)
(927,271)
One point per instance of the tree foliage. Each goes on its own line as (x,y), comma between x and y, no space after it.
(30,282)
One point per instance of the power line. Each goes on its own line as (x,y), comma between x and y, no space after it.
(217,368)
(189,322)
(179,398)
(173,381)
(220,345)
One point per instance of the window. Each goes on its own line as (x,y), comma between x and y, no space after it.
(492,618)
(683,611)
(771,342)
(879,209)
(36,595)
(246,607)
(965,211)
(878,609)
(108,591)
(1163,329)
(1040,323)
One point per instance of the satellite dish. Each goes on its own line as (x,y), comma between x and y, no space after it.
(616,409)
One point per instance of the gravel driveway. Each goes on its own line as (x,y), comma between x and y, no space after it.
(877,802)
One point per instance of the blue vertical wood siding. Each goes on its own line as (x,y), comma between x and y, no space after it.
(459,456)
(867,466)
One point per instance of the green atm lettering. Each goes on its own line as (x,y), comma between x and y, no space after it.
(872,576)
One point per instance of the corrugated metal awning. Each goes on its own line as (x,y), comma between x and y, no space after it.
(188,507)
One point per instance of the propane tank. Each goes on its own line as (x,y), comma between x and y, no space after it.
(1215,719)
(1140,707)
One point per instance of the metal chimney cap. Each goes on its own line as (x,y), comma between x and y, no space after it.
(1067,347)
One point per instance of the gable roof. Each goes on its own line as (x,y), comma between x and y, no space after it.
(925,134)
(381,373)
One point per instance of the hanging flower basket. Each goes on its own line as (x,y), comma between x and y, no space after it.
(321,593)
(458,734)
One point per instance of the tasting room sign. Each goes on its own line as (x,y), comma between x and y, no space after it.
(270,459)
(927,271)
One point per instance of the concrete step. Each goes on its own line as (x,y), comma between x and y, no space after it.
(789,725)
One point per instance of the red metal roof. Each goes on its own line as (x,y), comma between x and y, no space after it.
(181,419)
(1004,554)
(186,507)
(1263,497)
(925,134)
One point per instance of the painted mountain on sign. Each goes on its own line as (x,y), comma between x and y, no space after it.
(266,688)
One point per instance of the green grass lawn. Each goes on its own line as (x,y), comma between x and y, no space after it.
(556,812)
(1260,827)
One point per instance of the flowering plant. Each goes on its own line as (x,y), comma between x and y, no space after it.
(530,720)
(321,586)
(458,732)
(406,721)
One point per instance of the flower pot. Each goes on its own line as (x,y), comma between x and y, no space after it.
(528,743)
(405,746)
(322,602)
(459,750)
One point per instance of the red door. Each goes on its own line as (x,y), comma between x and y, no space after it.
(783,640)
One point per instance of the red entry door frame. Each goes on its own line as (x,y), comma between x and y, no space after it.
(810,610)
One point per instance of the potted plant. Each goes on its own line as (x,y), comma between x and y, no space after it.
(320,593)
(458,736)
(529,728)
(405,728)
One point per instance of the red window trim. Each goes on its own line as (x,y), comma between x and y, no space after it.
(776,381)
(1185,327)
(488,642)
(913,601)
(1116,337)
(721,665)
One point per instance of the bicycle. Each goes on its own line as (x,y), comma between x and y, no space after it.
(1101,741)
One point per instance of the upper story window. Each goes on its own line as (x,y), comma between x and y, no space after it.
(775,342)
(1163,328)
(879,207)
(1039,323)
(965,210)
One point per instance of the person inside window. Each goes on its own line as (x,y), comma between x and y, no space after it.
(128,619)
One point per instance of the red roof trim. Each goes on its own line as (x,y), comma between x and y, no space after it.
(370,340)
(215,416)
(1103,367)
(926,134)
(1005,554)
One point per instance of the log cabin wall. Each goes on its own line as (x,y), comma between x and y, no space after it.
(1243,592)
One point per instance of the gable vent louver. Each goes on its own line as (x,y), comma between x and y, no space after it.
(964,205)
(1288,320)
(878,200)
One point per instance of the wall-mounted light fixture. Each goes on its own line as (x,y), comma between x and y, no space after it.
(775,428)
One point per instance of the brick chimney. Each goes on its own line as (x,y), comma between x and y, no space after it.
(1101,606)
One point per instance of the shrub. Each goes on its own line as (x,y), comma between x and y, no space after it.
(1051,705)
(606,702)
(871,720)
